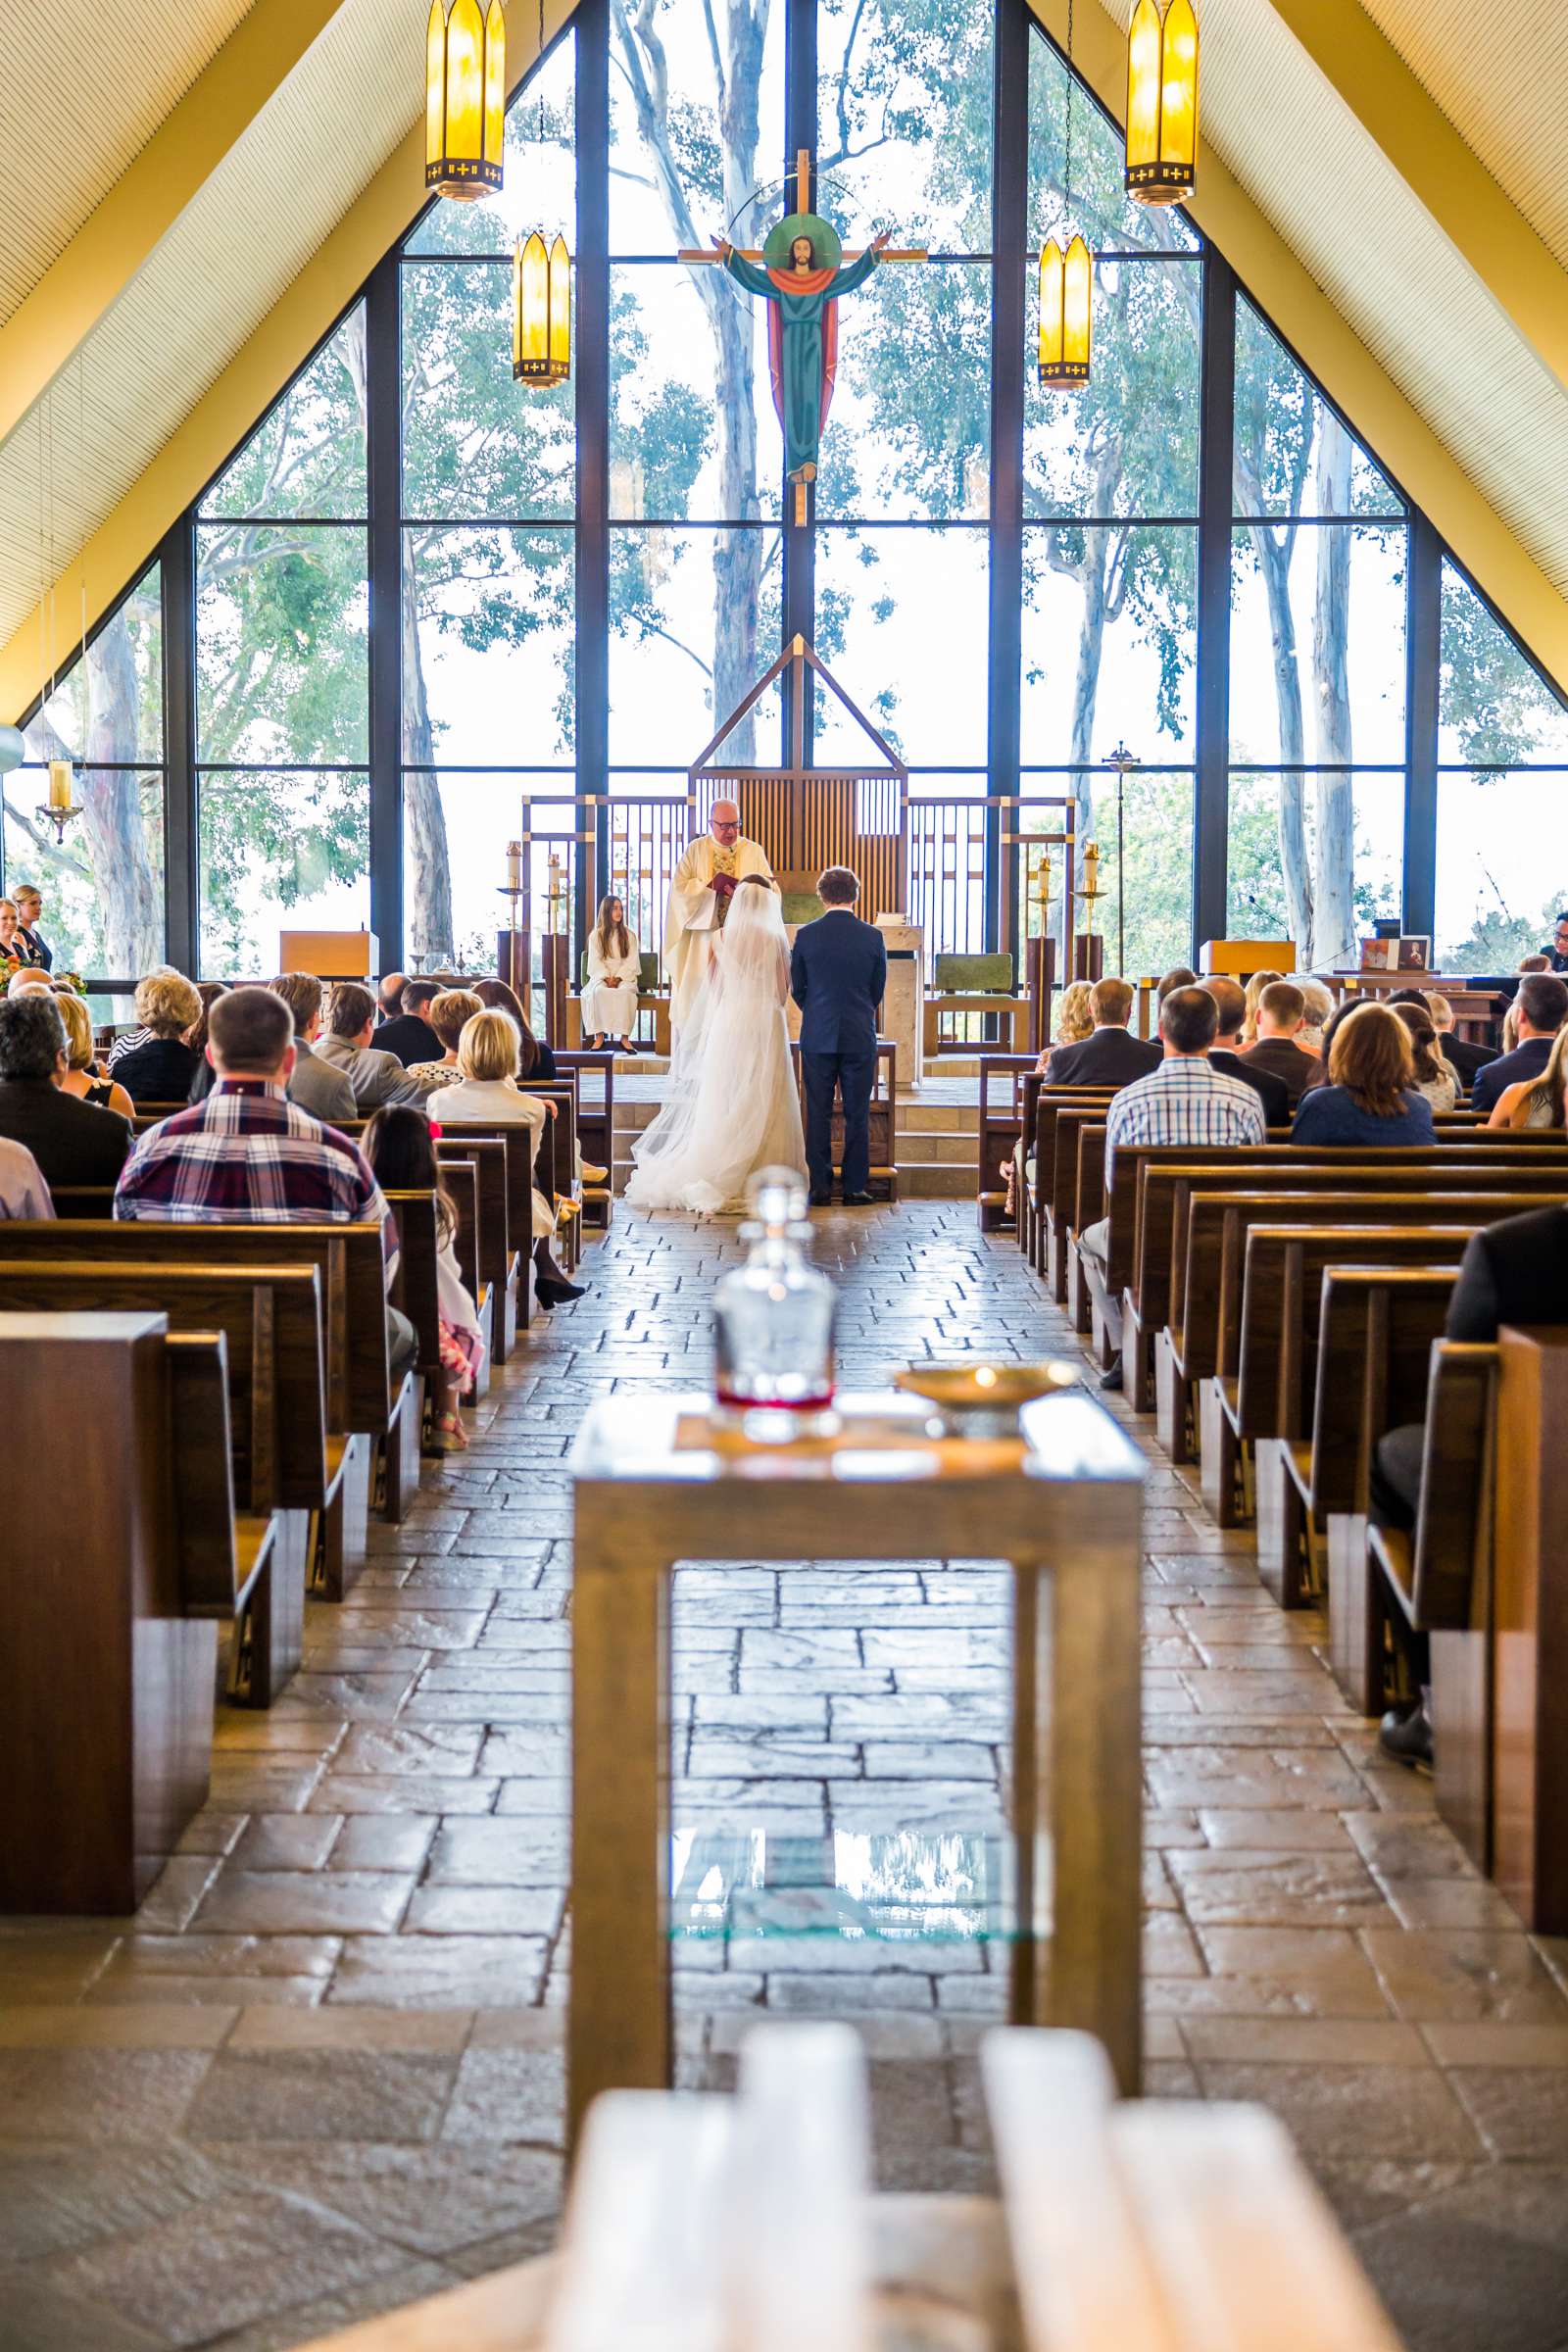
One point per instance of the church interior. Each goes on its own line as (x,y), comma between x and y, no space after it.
(955,1740)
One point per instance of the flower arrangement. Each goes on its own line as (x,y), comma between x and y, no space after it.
(10,965)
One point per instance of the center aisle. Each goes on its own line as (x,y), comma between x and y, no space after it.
(319,2073)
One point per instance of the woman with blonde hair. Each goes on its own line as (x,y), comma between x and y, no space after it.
(1369,1095)
(614,967)
(1075,1019)
(1536,1102)
(486,1093)
(161,1068)
(85,1079)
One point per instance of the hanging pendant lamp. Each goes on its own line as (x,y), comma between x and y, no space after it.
(1066,282)
(464,98)
(1163,101)
(541,310)
(541,292)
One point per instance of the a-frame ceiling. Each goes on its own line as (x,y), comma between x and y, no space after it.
(1385,174)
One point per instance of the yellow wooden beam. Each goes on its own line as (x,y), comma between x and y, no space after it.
(226,414)
(1400,439)
(118,236)
(1519,271)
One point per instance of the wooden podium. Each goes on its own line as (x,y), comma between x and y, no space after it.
(330,955)
(1240,959)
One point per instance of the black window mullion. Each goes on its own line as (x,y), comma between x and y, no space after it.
(799,547)
(1010,198)
(592,388)
(1215,466)
(1423,629)
(176,559)
(383,375)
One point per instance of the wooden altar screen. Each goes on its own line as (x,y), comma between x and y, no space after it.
(807,817)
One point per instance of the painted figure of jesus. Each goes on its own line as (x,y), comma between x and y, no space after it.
(802,281)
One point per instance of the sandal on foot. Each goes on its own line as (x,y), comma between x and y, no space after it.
(448,1434)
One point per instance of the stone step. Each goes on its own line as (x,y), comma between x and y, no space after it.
(950,1150)
(937,1180)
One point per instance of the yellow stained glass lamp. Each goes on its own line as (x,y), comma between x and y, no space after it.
(1067,315)
(1163,101)
(464,98)
(541,310)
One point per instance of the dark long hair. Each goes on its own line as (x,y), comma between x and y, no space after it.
(401,1149)
(496,997)
(618,943)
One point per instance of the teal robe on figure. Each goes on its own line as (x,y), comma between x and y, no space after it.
(802,344)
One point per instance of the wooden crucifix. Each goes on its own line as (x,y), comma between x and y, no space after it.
(806,272)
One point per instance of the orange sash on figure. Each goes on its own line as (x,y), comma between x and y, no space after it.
(815,281)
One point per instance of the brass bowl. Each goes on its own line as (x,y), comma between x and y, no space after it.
(985,1399)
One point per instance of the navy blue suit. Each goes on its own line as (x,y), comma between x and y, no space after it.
(838,975)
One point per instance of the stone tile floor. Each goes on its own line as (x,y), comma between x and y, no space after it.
(318,2074)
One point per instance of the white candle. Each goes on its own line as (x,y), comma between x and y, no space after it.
(513,865)
(60,783)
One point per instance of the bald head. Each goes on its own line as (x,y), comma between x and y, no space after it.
(25,982)
(724,823)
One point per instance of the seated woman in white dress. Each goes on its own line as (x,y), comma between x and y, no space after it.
(614,966)
(487,1094)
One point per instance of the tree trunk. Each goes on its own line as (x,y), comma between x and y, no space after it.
(426,859)
(1335,891)
(116,848)
(1274,551)
(428,905)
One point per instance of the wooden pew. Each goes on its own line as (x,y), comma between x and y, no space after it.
(1057,1117)
(1267,1399)
(1187,1350)
(595,1074)
(271,1321)
(1530,1618)
(494,1163)
(361,1404)
(108,1648)
(1440,1576)
(1001,1126)
(1376,1331)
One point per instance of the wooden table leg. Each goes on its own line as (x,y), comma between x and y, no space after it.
(1092,1749)
(1030,1595)
(619,2030)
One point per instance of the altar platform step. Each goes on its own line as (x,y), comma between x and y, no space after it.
(936,1135)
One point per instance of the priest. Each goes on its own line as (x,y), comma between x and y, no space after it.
(698,901)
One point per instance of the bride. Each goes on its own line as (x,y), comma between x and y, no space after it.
(732,1106)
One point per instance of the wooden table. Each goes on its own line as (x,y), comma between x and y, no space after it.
(655,1483)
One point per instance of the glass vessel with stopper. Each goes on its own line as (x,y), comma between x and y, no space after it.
(774,1319)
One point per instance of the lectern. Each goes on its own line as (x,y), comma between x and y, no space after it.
(330,955)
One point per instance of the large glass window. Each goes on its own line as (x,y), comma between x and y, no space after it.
(282,672)
(103,884)
(1317,670)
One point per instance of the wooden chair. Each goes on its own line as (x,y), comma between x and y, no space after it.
(967,985)
(1000,1128)
(653,997)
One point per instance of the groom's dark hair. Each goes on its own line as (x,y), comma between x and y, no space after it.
(837,887)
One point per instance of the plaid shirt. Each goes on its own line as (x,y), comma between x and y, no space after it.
(248,1156)
(1184,1102)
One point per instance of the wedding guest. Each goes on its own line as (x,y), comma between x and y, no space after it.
(1465,1057)
(389,996)
(1177,977)
(1369,1096)
(82,1077)
(1556,954)
(346,1046)
(37,982)
(1319,1003)
(535,1060)
(1110,1056)
(162,1068)
(1254,994)
(1280,1012)
(401,1152)
(326,1092)
(1075,1020)
(614,967)
(1535,1101)
(73,1143)
(31,945)
(203,1081)
(1434,1078)
(408,1034)
(450,1014)
(1542,1007)
(486,1092)
(1230,1007)
(1534,963)
(24,1193)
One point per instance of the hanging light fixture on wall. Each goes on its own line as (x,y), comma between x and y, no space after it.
(1066,282)
(1163,101)
(540,294)
(464,98)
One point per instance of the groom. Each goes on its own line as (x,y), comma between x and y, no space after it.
(838,973)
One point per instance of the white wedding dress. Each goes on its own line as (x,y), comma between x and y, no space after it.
(731,1108)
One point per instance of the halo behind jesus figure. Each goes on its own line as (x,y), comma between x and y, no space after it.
(827,246)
